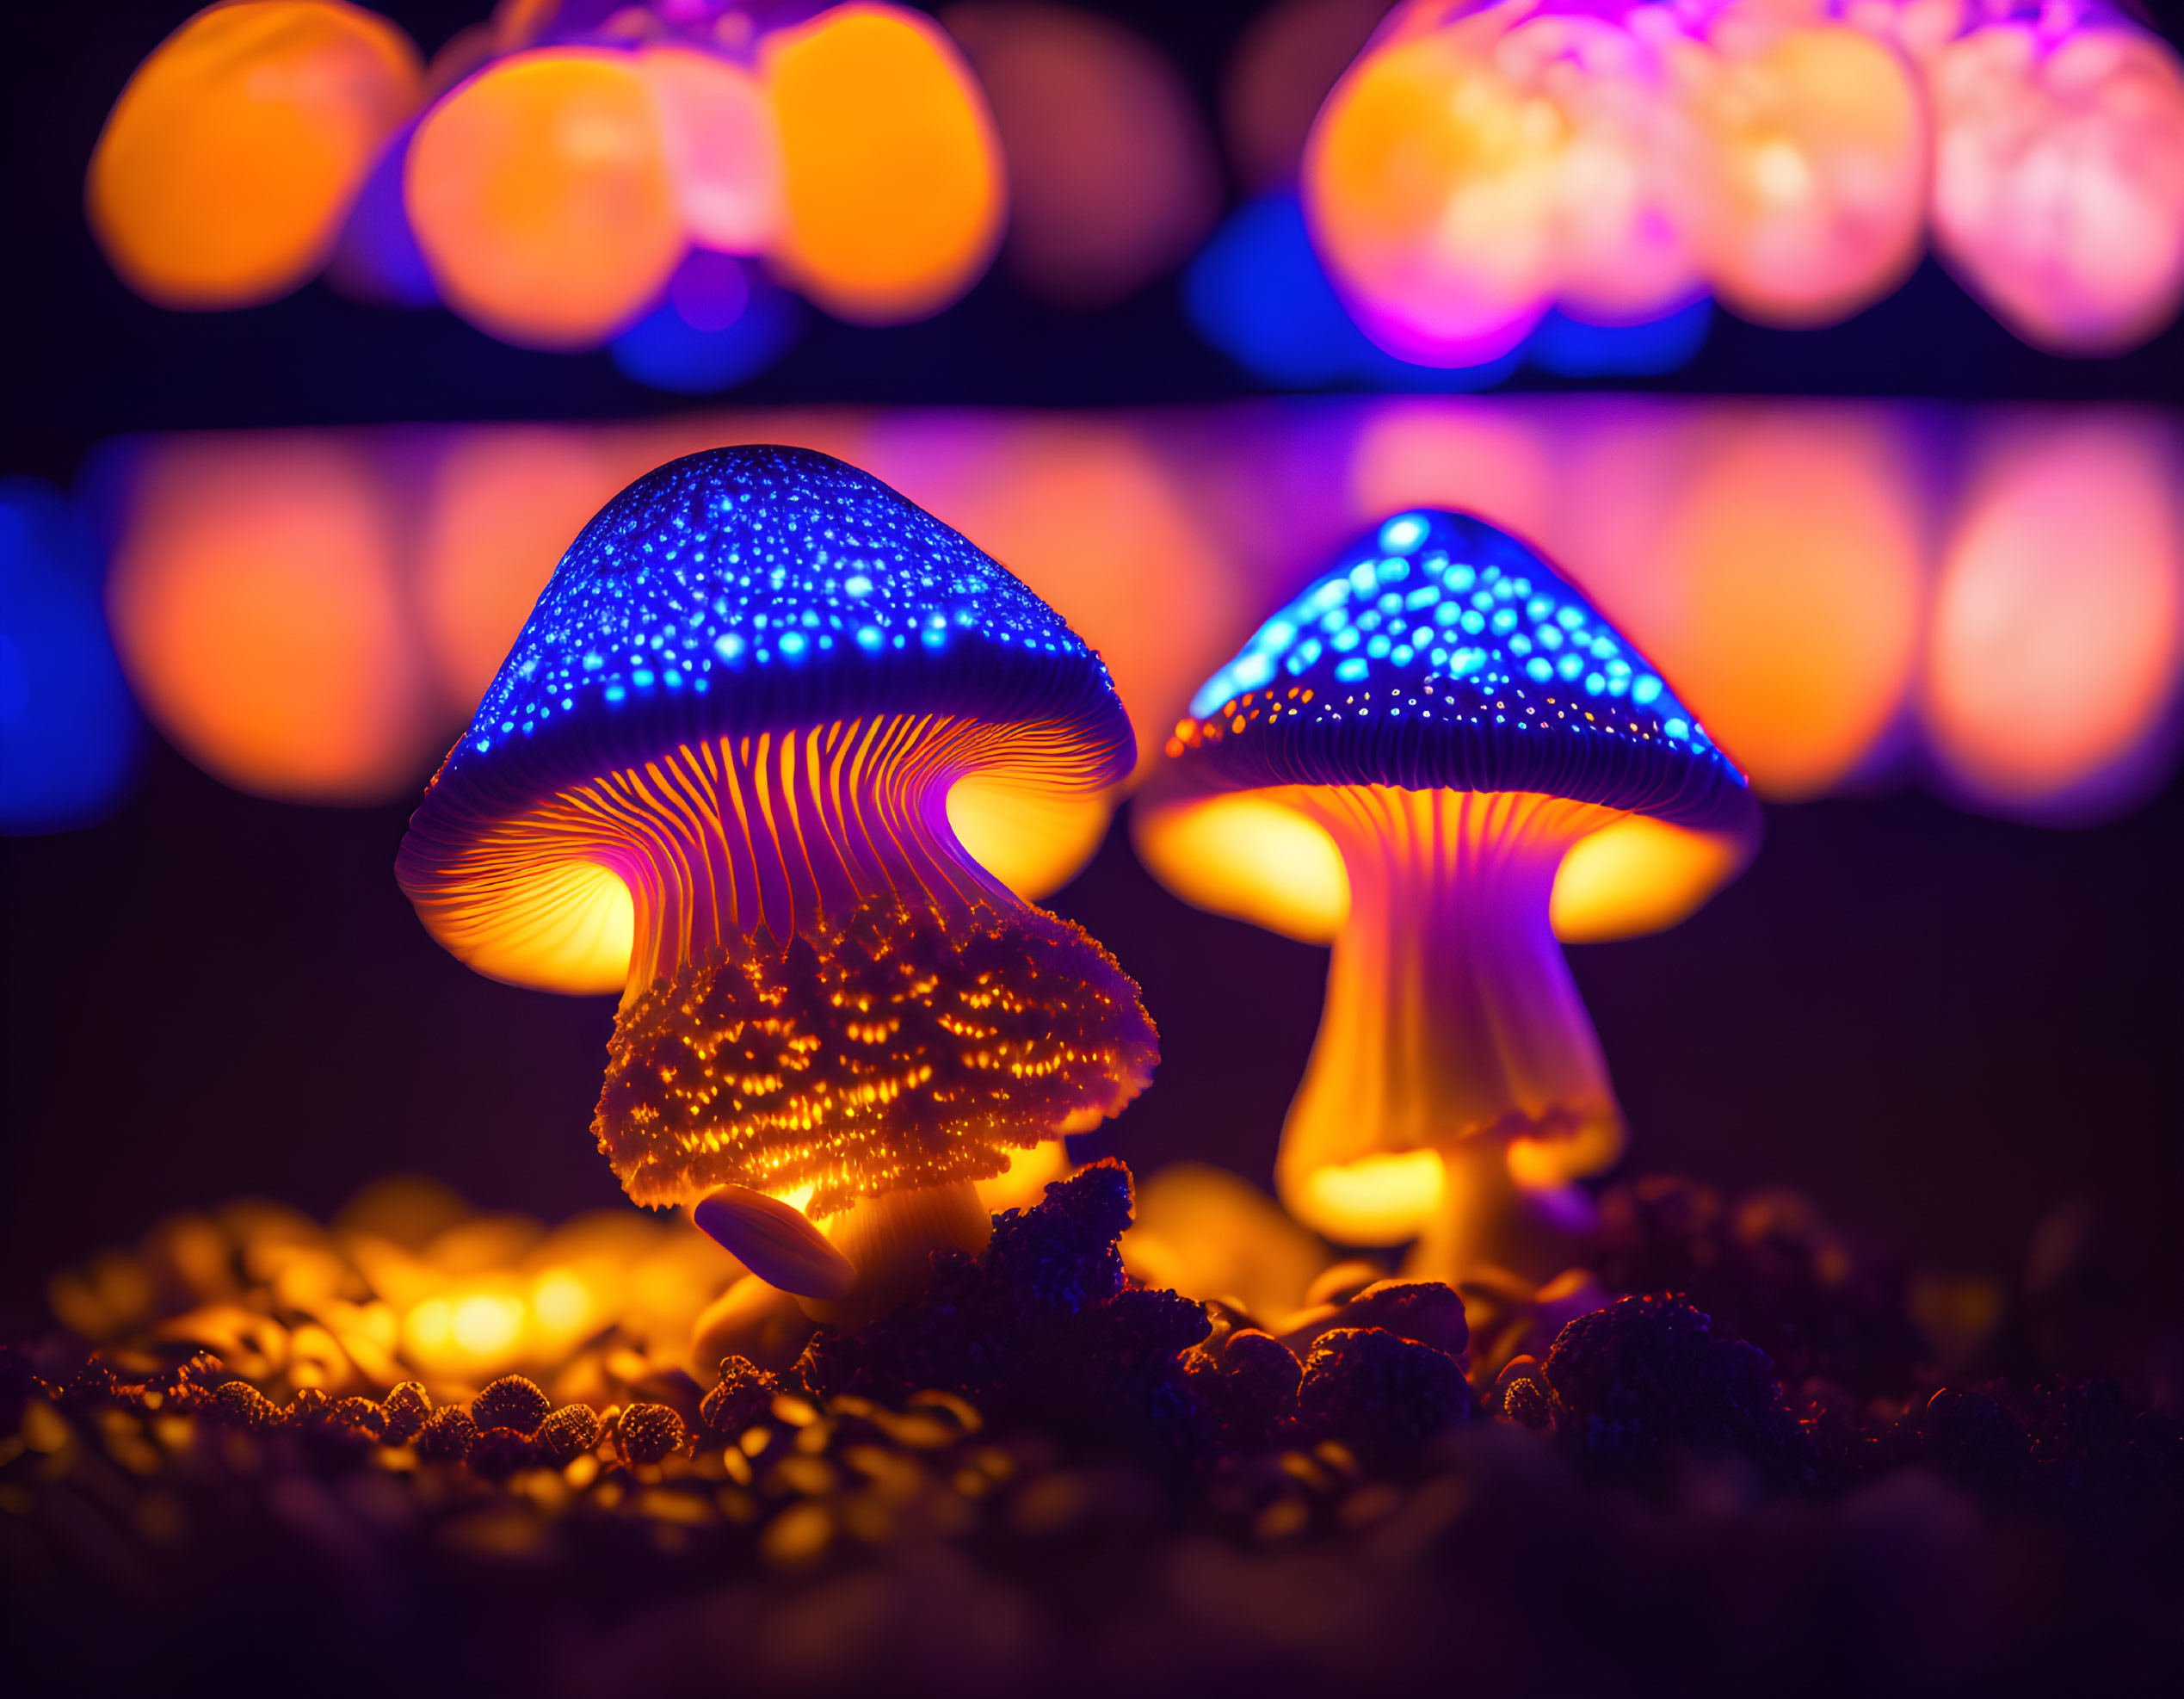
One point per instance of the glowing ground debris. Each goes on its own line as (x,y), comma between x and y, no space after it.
(743,700)
(227,166)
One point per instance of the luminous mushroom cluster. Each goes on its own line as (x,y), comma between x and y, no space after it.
(715,770)
(1481,163)
(1461,723)
(572,158)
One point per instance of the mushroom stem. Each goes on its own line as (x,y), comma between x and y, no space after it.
(1452,1024)
(1487,1218)
(890,1239)
(825,991)
(723,838)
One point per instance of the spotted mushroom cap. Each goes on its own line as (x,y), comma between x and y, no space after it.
(741,590)
(756,587)
(1441,653)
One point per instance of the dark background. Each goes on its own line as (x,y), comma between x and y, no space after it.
(1941,1026)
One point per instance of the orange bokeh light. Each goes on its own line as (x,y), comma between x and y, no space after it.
(2059,181)
(1786,585)
(1817,166)
(2059,614)
(540,196)
(256,603)
(504,505)
(723,149)
(1111,178)
(1430,182)
(1286,61)
(227,166)
(895,192)
(1083,511)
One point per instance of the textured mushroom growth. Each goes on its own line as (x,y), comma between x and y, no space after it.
(715,770)
(1456,719)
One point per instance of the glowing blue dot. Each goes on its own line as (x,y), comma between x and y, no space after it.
(482,744)
(615,693)
(1676,729)
(728,646)
(1351,671)
(936,637)
(1594,683)
(1401,534)
(859,585)
(1645,689)
(642,678)
(1362,579)
(594,662)
(1251,670)
(1377,646)
(1540,668)
(869,637)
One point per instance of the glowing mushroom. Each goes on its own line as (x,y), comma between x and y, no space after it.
(714,769)
(1458,720)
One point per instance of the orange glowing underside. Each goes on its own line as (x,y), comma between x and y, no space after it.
(1257,857)
(822,989)
(752,831)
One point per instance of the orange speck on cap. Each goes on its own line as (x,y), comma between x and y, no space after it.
(228,165)
(896,190)
(540,194)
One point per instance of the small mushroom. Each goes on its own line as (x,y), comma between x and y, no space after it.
(714,770)
(1456,722)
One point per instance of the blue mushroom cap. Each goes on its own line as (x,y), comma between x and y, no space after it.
(754,588)
(1441,653)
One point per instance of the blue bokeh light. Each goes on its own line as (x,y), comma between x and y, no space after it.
(1570,347)
(723,320)
(68,731)
(1258,292)
(378,259)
